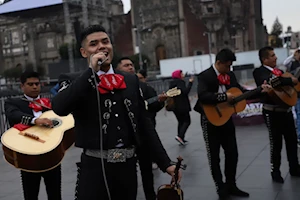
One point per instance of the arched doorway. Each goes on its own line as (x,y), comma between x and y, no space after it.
(160,53)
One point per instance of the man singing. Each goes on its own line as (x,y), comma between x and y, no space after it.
(110,115)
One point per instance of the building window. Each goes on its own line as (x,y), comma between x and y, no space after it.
(197,52)
(15,38)
(210,9)
(50,43)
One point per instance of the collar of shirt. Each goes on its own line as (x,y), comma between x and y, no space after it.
(269,68)
(217,72)
(31,99)
(110,71)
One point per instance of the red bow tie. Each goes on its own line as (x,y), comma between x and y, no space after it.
(277,72)
(43,101)
(224,79)
(109,82)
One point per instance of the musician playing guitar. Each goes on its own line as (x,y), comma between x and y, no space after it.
(146,164)
(212,86)
(279,119)
(22,112)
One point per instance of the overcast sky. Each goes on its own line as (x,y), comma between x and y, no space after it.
(288,12)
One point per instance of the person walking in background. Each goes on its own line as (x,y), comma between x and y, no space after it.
(182,106)
(292,63)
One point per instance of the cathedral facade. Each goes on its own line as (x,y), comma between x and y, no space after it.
(179,28)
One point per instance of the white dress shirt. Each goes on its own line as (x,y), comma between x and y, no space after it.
(35,114)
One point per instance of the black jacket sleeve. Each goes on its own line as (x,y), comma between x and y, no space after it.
(15,115)
(207,97)
(156,106)
(150,135)
(65,102)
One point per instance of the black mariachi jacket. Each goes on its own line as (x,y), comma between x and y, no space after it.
(18,111)
(80,99)
(208,86)
(149,92)
(262,74)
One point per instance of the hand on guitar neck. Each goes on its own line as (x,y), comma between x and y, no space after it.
(162,97)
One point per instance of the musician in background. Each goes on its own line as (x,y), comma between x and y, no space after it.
(279,119)
(125,64)
(108,163)
(212,86)
(22,112)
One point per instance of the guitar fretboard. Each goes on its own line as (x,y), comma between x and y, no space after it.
(247,95)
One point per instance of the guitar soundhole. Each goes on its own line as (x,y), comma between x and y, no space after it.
(56,122)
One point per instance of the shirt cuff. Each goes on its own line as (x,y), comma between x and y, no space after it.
(32,121)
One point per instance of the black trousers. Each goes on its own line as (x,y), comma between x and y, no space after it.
(121,179)
(31,184)
(281,124)
(145,162)
(184,121)
(215,137)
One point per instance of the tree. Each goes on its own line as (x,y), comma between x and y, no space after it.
(136,61)
(64,54)
(275,33)
(277,27)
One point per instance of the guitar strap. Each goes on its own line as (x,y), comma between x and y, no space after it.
(36,103)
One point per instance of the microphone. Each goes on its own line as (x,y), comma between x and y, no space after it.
(100,62)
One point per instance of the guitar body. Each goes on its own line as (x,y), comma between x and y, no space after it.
(31,155)
(168,192)
(219,114)
(285,95)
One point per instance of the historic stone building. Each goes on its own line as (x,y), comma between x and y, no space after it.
(176,28)
(33,34)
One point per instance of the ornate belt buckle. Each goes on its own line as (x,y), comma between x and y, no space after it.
(116,155)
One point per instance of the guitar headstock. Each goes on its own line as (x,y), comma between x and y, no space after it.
(173,92)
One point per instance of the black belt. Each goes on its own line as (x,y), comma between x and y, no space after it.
(112,155)
(276,108)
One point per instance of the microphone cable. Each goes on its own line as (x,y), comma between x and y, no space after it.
(100,125)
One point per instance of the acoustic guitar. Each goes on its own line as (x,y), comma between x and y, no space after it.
(170,93)
(286,95)
(172,191)
(219,114)
(39,148)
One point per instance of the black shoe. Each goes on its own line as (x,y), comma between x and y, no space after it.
(185,142)
(276,177)
(223,194)
(235,191)
(295,172)
(178,139)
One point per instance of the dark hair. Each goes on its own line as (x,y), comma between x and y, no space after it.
(124,58)
(264,53)
(143,72)
(29,74)
(89,30)
(225,55)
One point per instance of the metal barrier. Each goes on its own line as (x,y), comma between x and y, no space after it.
(159,85)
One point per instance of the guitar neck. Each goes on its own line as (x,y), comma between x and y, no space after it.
(152,100)
(247,95)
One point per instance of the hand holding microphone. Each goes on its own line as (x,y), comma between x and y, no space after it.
(96,60)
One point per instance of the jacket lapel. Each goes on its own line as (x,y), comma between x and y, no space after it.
(213,77)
